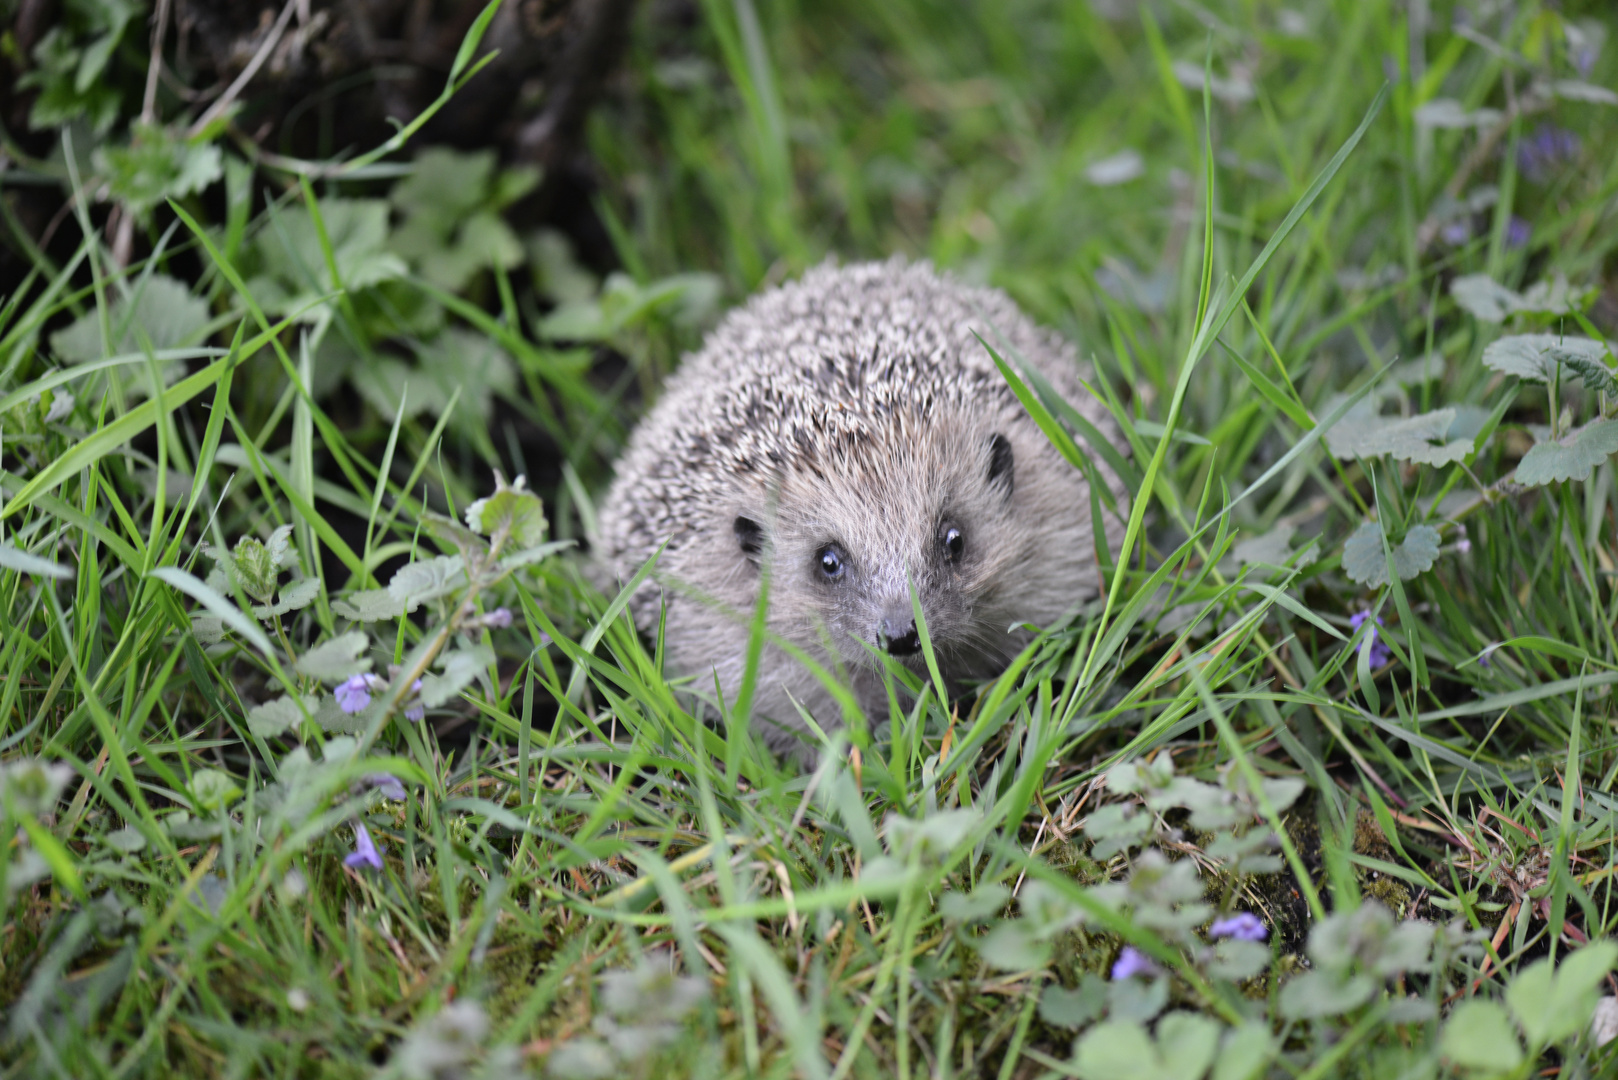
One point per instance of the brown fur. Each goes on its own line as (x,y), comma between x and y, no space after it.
(854,408)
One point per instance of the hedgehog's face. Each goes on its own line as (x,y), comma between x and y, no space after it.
(850,541)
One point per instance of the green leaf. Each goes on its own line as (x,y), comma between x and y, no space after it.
(1434,438)
(512,510)
(295,596)
(211,789)
(981,903)
(370,605)
(334,721)
(460,668)
(1479,1035)
(558,275)
(1187,1042)
(1594,373)
(1572,458)
(427,579)
(1117,1050)
(1237,960)
(1555,1006)
(444,186)
(254,564)
(1012,946)
(277,715)
(227,612)
(456,361)
(1247,1050)
(1534,357)
(1324,993)
(157,164)
(1271,548)
(1484,297)
(128,840)
(335,660)
(292,261)
(1075,1008)
(160,308)
(1363,561)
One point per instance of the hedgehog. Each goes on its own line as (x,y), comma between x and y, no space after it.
(845,444)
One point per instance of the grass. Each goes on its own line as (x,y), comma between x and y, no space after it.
(590,872)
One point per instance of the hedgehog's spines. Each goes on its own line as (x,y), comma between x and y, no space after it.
(853,384)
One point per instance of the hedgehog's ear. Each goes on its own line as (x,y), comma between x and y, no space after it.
(749,537)
(1001,463)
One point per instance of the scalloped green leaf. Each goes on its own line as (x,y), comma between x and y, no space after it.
(275,716)
(1434,438)
(370,605)
(514,510)
(295,596)
(1572,458)
(1484,298)
(460,668)
(1363,561)
(1479,1034)
(162,311)
(337,659)
(1534,357)
(427,579)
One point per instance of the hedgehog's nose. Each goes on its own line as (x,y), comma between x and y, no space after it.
(899,635)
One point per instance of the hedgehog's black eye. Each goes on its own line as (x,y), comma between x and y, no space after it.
(831,562)
(749,536)
(954,543)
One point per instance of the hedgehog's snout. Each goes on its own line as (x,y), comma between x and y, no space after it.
(899,635)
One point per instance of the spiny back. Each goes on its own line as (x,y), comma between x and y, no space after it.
(815,371)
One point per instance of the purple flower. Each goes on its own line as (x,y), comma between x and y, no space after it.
(1243,926)
(415,712)
(1518,232)
(365,853)
(386,783)
(1486,657)
(1456,233)
(498,619)
(1464,546)
(353,694)
(1380,653)
(1131,962)
(1549,147)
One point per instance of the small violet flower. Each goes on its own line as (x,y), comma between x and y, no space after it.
(1486,657)
(353,694)
(498,619)
(1243,926)
(1542,153)
(386,783)
(1456,233)
(1380,653)
(415,712)
(1131,962)
(365,853)
(1518,232)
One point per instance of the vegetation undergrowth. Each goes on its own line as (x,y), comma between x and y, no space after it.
(323,753)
